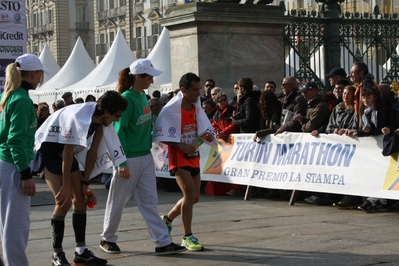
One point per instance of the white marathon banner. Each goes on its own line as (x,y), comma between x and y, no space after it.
(13,34)
(328,163)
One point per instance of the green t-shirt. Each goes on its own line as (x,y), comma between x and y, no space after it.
(134,126)
(18,125)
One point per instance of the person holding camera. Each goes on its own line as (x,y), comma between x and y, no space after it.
(248,115)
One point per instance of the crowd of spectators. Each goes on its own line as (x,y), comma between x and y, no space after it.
(356,107)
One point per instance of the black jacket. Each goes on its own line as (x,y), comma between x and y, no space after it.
(248,115)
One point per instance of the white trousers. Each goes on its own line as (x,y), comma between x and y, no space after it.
(142,185)
(14,216)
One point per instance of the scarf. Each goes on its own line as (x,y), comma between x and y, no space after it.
(167,128)
(369,117)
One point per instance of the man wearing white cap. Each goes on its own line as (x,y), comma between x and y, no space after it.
(17,130)
(136,176)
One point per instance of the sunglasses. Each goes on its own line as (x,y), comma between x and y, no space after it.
(209,85)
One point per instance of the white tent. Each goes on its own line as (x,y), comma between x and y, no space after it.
(160,58)
(387,66)
(105,75)
(49,62)
(78,66)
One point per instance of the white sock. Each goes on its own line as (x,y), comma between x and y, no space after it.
(80,250)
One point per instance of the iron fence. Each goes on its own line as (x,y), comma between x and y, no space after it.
(372,39)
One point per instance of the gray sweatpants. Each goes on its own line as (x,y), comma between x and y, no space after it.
(142,185)
(14,216)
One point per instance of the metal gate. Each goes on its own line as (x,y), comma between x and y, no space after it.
(373,40)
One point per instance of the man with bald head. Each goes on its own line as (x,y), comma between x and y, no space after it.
(293,103)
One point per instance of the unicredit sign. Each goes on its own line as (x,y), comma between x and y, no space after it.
(10,5)
(11,36)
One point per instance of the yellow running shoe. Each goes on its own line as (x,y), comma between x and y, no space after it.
(191,243)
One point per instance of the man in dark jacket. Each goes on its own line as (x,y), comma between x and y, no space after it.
(317,116)
(248,115)
(293,104)
(317,112)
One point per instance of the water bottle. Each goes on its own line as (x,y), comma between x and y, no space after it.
(199,141)
(90,199)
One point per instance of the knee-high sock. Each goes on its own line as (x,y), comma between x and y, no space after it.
(79,226)
(58,227)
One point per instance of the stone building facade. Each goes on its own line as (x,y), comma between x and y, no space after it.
(59,23)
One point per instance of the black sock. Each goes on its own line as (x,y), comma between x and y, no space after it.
(79,226)
(58,228)
(185,236)
(167,220)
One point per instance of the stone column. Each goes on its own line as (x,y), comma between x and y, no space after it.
(226,41)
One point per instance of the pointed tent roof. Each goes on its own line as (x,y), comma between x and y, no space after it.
(78,66)
(118,57)
(160,58)
(49,62)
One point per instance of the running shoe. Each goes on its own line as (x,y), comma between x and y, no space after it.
(379,207)
(191,243)
(168,225)
(172,248)
(366,206)
(345,205)
(109,247)
(88,258)
(60,259)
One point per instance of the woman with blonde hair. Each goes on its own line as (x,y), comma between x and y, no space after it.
(17,129)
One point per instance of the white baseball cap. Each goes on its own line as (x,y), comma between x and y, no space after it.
(30,62)
(144,66)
